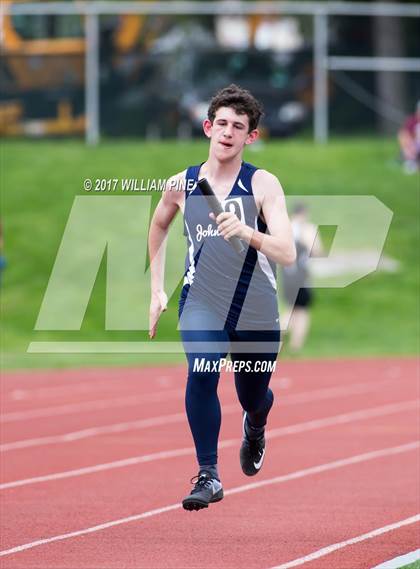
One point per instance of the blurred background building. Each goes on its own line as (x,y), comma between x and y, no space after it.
(71,67)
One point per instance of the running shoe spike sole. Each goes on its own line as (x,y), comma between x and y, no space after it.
(194,504)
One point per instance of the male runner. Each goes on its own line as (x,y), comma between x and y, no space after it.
(228,302)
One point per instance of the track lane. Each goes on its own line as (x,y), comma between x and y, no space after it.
(35,389)
(59,506)
(145,435)
(291,429)
(284,507)
(360,554)
(316,379)
(43,421)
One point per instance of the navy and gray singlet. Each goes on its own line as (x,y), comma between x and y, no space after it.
(240,289)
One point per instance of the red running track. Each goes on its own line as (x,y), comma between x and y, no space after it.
(95,463)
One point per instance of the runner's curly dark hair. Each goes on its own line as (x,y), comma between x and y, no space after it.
(240,100)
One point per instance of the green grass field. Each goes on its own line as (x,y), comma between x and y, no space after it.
(415,565)
(378,315)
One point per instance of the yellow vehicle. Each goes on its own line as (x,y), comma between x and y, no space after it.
(42,70)
(39,54)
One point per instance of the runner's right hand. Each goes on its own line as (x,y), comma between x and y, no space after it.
(158,304)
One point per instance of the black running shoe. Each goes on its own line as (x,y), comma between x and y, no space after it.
(252,453)
(206,491)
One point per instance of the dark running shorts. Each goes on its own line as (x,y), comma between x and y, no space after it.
(304,297)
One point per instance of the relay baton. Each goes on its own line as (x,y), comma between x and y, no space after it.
(217,209)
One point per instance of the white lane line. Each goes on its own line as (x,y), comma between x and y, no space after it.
(271,434)
(355,459)
(335,546)
(86,380)
(92,405)
(69,388)
(336,391)
(131,400)
(103,467)
(140,424)
(94,431)
(347,417)
(400,561)
(106,429)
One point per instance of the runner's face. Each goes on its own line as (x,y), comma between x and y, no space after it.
(228,133)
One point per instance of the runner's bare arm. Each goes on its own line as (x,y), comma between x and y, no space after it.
(269,196)
(172,199)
